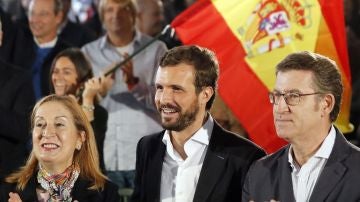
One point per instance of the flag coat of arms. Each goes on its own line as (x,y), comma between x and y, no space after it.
(250,37)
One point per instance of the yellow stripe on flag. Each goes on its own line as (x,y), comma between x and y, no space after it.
(271,29)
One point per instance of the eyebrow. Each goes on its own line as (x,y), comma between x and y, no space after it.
(287,91)
(57,117)
(65,68)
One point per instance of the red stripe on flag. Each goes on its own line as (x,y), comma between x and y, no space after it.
(333,13)
(239,87)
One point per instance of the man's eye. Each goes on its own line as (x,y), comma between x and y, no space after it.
(277,95)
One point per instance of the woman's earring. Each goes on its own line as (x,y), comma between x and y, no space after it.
(78,147)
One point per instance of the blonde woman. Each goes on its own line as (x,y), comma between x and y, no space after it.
(63,164)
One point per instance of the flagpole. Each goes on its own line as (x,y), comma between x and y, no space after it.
(127,59)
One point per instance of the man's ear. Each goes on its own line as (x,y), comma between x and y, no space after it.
(206,93)
(328,103)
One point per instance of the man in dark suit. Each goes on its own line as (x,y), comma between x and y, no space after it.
(194,159)
(318,164)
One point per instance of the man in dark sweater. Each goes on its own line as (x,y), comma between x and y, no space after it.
(36,48)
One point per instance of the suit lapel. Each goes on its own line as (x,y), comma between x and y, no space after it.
(213,167)
(285,192)
(154,171)
(333,171)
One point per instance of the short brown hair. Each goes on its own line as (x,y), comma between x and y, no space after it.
(204,62)
(326,76)
(87,157)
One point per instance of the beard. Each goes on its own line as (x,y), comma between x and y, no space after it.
(184,120)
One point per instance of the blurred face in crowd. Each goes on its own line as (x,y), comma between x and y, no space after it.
(176,98)
(118,18)
(43,20)
(55,136)
(296,122)
(151,17)
(64,76)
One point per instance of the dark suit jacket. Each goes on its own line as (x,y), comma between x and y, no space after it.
(16,102)
(270,177)
(9,32)
(227,160)
(80,192)
(25,53)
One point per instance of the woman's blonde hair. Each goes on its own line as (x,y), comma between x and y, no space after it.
(87,157)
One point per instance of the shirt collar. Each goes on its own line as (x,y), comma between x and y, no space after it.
(49,44)
(202,136)
(327,145)
(105,41)
(323,152)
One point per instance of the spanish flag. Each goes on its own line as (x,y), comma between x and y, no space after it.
(250,37)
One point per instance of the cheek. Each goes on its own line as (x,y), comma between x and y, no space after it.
(36,134)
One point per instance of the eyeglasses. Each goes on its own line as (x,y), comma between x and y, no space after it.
(290,98)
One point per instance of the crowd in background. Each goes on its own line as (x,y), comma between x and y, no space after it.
(119,105)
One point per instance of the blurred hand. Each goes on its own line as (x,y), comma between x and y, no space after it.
(14,197)
(92,87)
(128,73)
(106,83)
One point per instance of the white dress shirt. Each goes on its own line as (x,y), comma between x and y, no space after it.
(179,177)
(304,178)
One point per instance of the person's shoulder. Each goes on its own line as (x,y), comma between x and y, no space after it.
(152,140)
(61,44)
(232,141)
(110,187)
(93,46)
(270,160)
(146,39)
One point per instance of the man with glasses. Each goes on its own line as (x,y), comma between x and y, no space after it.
(318,164)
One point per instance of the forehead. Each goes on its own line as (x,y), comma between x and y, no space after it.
(117,3)
(43,5)
(301,80)
(64,62)
(177,74)
(51,110)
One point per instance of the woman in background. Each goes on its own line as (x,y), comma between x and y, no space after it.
(63,164)
(71,74)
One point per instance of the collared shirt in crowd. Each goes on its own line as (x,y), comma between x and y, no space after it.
(304,178)
(132,114)
(179,177)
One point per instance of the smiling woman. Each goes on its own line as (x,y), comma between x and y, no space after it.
(71,74)
(63,164)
